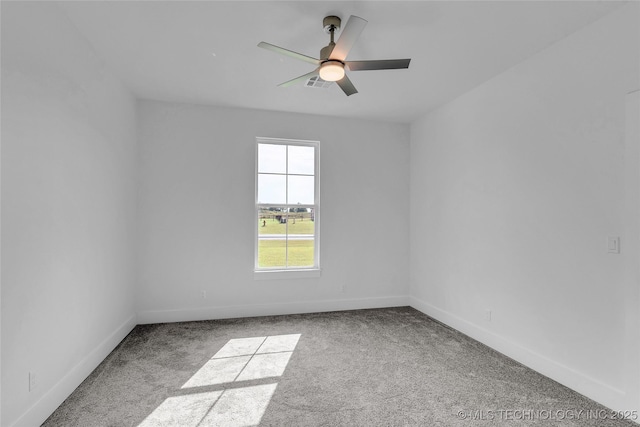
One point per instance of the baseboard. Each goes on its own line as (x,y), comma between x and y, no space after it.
(594,389)
(252,310)
(40,410)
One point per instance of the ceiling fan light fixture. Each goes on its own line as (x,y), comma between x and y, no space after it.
(331,71)
(333,57)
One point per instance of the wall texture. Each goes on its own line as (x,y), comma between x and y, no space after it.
(68,210)
(515,187)
(196,213)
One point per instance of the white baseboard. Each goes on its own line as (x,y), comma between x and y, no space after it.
(44,407)
(590,387)
(253,310)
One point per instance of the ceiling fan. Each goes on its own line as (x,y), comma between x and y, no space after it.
(332,62)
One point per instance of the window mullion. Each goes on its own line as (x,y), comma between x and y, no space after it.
(286,198)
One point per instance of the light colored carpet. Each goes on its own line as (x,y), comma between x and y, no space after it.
(391,367)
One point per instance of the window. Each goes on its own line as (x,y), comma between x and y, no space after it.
(287,205)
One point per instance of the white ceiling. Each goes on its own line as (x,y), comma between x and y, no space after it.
(205,52)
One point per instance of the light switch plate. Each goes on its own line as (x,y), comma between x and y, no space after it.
(613,244)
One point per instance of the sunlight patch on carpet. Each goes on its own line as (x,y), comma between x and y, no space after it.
(265,366)
(240,347)
(240,406)
(185,411)
(218,371)
(239,360)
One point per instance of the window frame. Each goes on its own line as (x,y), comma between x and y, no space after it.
(288,272)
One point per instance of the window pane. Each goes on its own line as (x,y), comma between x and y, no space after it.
(272,158)
(272,252)
(272,221)
(300,223)
(301,190)
(272,188)
(301,160)
(300,252)
(272,234)
(301,234)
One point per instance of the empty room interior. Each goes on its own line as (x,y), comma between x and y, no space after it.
(320,213)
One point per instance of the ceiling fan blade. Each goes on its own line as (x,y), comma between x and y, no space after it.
(347,87)
(289,53)
(382,64)
(348,37)
(299,79)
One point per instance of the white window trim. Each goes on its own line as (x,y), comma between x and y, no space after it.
(293,272)
(307,273)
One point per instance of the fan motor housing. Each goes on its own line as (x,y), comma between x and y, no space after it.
(331,22)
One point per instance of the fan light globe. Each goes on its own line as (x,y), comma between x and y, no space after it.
(332,71)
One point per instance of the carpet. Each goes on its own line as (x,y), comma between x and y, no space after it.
(379,367)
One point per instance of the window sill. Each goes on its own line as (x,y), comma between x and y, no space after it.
(286,274)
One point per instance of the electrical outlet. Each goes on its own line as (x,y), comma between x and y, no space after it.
(32,381)
(344,288)
(487,315)
(204,294)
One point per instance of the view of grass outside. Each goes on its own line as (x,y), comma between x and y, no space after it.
(275,249)
(297,224)
(271,253)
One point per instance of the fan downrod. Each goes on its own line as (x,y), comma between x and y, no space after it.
(331,25)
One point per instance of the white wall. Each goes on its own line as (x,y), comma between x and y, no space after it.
(515,187)
(196,213)
(68,210)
